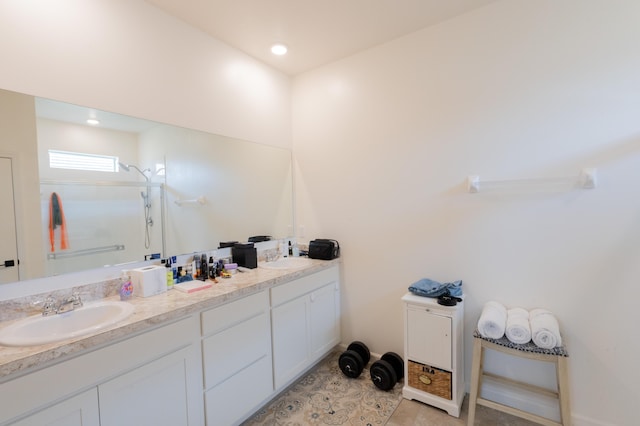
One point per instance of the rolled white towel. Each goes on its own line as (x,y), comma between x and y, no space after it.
(493,320)
(518,329)
(545,330)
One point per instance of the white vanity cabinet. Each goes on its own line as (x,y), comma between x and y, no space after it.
(433,348)
(79,410)
(236,349)
(305,323)
(215,366)
(151,378)
(152,394)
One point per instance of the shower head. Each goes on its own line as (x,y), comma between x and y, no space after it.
(128,167)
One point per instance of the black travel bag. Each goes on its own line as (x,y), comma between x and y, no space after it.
(324,249)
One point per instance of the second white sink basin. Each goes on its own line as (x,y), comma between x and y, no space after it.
(287,263)
(38,329)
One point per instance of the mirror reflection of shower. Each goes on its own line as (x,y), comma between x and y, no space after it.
(148,220)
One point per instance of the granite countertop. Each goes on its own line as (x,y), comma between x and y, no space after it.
(150,312)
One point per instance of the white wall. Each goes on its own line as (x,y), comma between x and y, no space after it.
(129,57)
(246,188)
(385,139)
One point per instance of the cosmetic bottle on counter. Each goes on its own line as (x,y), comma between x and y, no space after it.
(212,268)
(167,265)
(203,274)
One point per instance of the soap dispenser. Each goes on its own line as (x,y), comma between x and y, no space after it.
(126,288)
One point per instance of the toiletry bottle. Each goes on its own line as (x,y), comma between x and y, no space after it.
(204,268)
(126,288)
(212,268)
(195,267)
(290,249)
(220,267)
(167,265)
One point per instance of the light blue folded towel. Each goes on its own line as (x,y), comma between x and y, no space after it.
(430,288)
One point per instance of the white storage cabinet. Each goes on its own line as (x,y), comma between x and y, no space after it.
(433,348)
(305,322)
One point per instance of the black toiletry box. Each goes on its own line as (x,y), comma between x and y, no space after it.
(225,244)
(324,249)
(245,254)
(259,238)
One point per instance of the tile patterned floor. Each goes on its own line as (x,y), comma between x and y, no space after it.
(325,396)
(417,413)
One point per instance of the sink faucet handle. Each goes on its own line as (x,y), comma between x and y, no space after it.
(48,307)
(76,299)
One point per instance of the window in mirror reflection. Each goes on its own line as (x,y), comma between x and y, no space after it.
(81,161)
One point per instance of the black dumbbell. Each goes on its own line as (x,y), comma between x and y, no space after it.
(354,359)
(386,372)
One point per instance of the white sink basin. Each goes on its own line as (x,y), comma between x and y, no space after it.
(287,263)
(38,329)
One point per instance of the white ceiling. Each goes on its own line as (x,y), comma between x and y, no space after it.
(316,32)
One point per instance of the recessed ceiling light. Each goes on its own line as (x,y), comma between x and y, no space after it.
(279,49)
(93,121)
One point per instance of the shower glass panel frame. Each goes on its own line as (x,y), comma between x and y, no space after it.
(105,223)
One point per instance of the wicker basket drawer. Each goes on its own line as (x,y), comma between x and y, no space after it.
(430,379)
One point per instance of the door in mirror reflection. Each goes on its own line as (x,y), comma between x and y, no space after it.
(8,248)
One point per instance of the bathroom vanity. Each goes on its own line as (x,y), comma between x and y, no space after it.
(211,357)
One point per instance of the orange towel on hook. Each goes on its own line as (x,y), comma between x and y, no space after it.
(56,218)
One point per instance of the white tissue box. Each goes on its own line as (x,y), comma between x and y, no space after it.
(149,280)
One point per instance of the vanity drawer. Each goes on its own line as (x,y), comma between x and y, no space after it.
(289,291)
(225,316)
(241,394)
(233,349)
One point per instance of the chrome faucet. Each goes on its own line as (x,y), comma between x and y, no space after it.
(50,307)
(272,255)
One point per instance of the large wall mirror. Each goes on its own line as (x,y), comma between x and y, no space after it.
(122,189)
